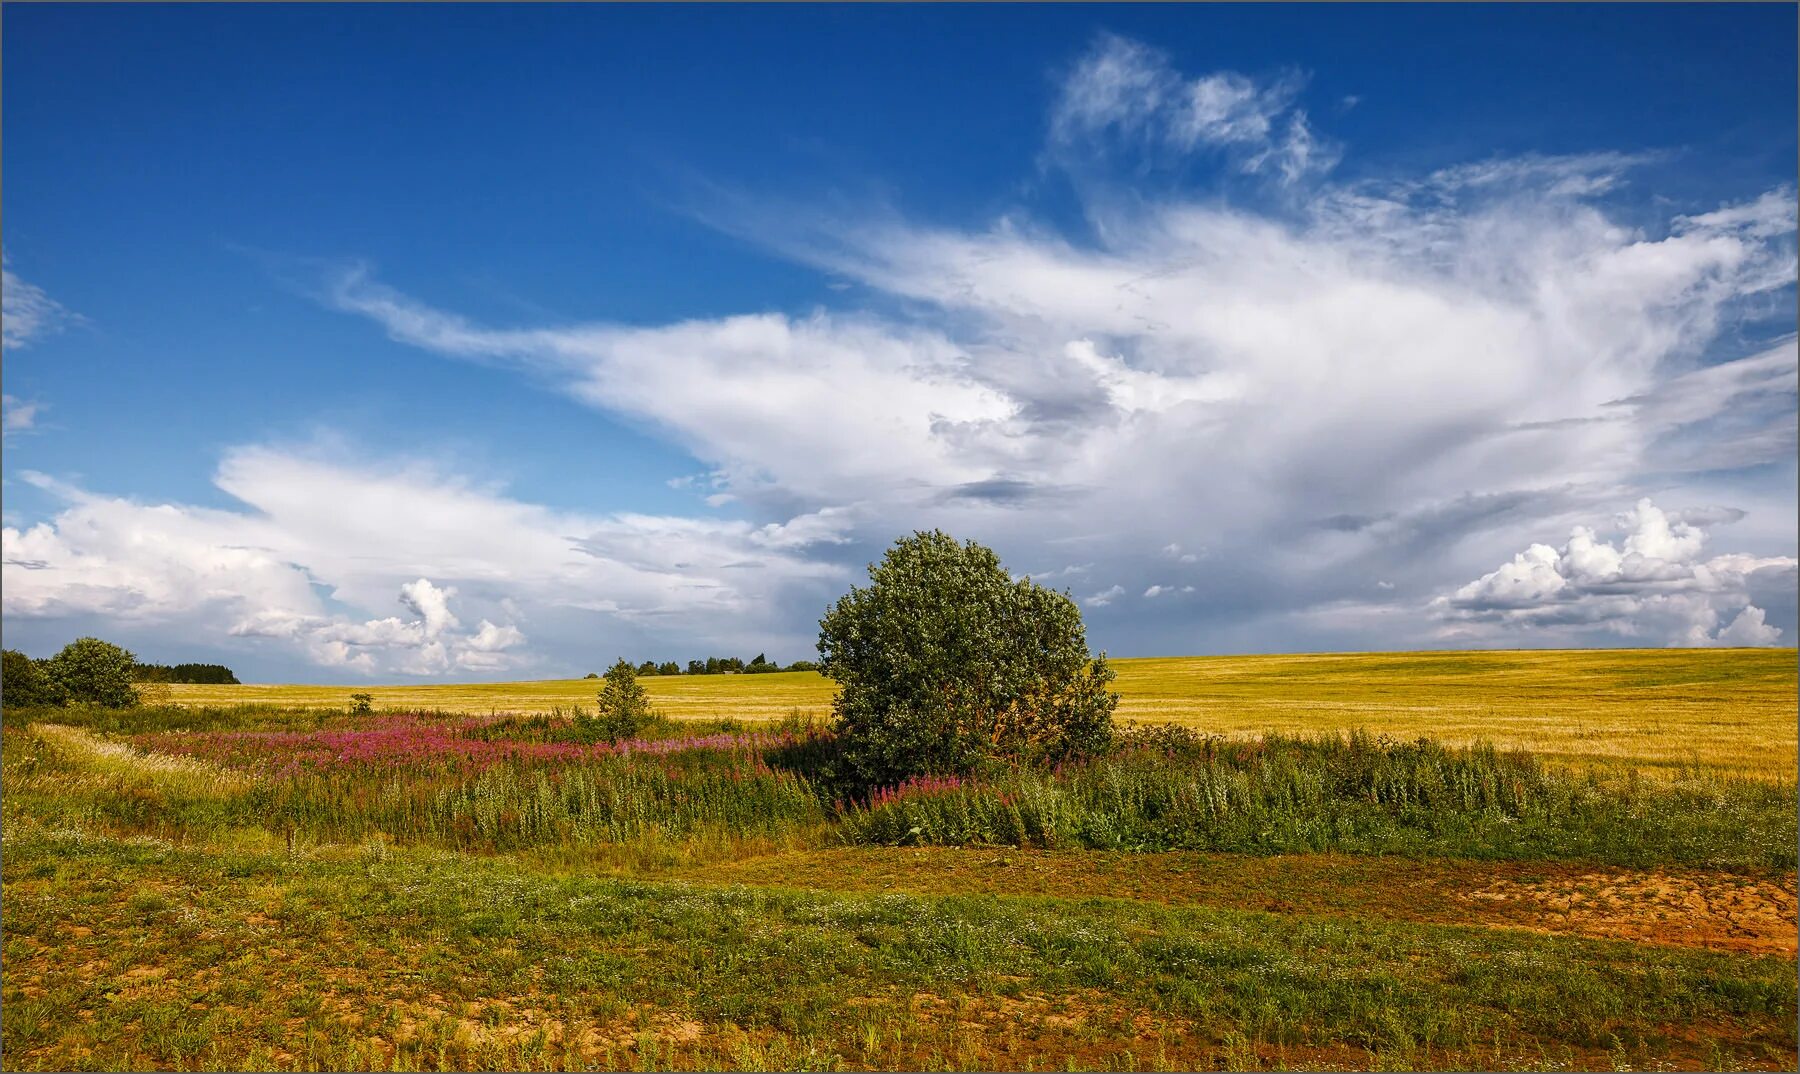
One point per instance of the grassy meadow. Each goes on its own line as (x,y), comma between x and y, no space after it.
(1270,871)
(1651,708)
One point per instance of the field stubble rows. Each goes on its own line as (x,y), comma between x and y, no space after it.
(1659,709)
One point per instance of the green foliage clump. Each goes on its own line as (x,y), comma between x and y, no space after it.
(95,672)
(25,682)
(944,662)
(624,706)
(362,704)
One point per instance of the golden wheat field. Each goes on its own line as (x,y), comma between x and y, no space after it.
(1733,709)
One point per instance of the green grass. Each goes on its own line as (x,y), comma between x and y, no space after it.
(1658,709)
(124,954)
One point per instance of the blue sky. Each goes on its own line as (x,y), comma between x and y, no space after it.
(640,330)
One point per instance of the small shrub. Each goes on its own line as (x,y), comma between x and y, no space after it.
(362,704)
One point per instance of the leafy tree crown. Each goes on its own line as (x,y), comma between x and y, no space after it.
(624,704)
(96,672)
(944,661)
(26,682)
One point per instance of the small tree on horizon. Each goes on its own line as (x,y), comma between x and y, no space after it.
(624,706)
(943,661)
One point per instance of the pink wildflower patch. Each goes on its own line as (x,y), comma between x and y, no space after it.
(405,741)
(918,787)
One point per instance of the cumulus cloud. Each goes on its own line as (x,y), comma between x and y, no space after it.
(1748,630)
(1653,585)
(317,539)
(430,604)
(427,645)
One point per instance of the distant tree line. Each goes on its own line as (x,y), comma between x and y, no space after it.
(718,665)
(215,674)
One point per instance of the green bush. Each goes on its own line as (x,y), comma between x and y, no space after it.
(944,662)
(25,682)
(95,672)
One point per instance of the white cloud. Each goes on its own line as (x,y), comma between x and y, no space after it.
(26,312)
(493,639)
(1174,551)
(766,397)
(1396,379)
(1126,93)
(17,415)
(430,604)
(315,536)
(1104,597)
(1748,630)
(1654,586)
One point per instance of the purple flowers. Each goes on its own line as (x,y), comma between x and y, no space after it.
(918,787)
(419,742)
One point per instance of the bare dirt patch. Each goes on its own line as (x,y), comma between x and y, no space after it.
(1755,916)
(1691,908)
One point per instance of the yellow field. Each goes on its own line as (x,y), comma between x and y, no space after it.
(1655,708)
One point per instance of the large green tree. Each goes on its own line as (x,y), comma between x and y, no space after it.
(96,672)
(943,661)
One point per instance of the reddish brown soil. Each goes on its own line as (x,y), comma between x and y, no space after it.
(1717,911)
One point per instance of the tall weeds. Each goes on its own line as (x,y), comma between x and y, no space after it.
(493,785)
(1356,794)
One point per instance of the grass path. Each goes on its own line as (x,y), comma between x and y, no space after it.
(1654,708)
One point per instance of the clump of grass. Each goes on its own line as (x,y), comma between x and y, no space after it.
(614,800)
(413,782)
(1356,793)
